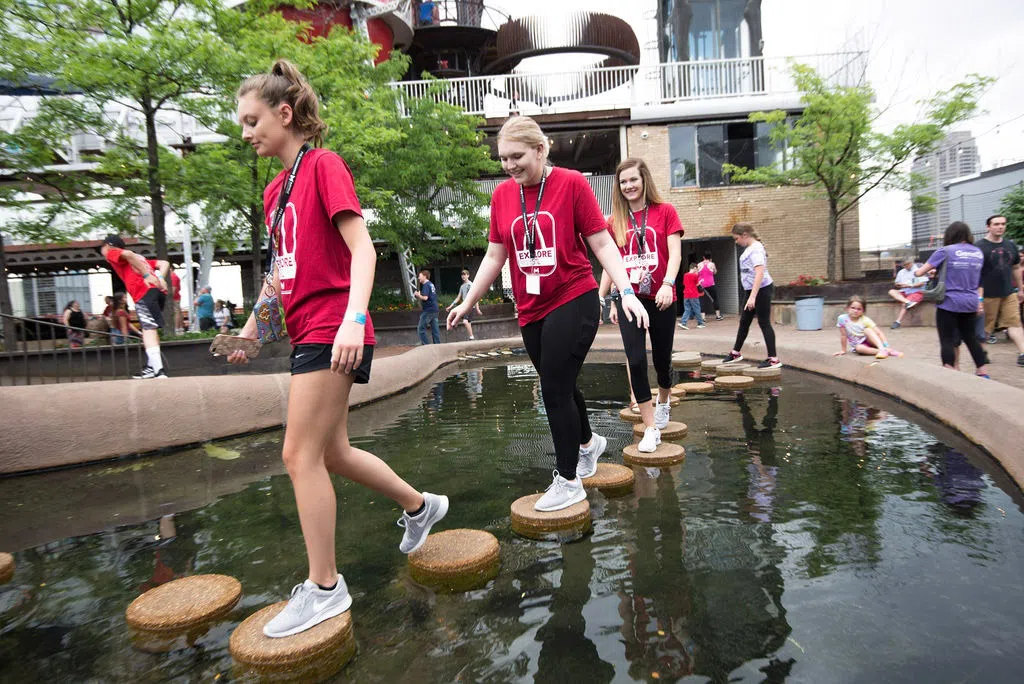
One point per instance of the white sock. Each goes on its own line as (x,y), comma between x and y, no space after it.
(155,362)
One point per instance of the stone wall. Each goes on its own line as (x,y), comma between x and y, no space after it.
(792,225)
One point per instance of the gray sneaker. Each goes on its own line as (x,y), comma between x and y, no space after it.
(418,527)
(308,606)
(587,465)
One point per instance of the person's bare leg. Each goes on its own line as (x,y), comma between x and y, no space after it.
(150,338)
(1017,337)
(469,327)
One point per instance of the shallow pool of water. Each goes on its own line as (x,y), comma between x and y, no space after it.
(815,533)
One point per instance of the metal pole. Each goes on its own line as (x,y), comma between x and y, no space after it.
(189,295)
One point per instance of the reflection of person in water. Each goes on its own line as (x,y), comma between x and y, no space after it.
(960,484)
(762,468)
(474,385)
(855,422)
(435,398)
(566,654)
(173,557)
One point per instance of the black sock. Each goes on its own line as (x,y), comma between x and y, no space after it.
(330,588)
(419,510)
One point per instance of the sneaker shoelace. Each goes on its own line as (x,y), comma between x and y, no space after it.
(555,484)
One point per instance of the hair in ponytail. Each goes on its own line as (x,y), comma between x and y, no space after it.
(745,229)
(285,83)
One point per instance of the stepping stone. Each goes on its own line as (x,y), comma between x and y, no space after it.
(313,655)
(567,524)
(763,373)
(506,352)
(686,360)
(696,387)
(726,369)
(611,479)
(665,455)
(678,392)
(184,603)
(734,382)
(627,415)
(673,430)
(6,567)
(711,364)
(493,353)
(457,560)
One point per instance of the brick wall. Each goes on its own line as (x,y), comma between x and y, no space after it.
(792,226)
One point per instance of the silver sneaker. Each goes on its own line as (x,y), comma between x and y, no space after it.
(418,527)
(587,465)
(308,606)
(651,440)
(661,413)
(561,493)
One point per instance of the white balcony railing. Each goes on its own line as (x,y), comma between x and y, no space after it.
(601,185)
(633,86)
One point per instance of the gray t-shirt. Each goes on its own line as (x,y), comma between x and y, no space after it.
(464,290)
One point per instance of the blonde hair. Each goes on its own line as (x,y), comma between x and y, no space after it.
(286,84)
(745,229)
(620,207)
(523,129)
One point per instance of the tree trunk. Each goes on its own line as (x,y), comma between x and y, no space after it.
(206,250)
(156,197)
(256,228)
(833,225)
(10,331)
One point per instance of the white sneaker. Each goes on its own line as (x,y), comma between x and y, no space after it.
(308,606)
(561,493)
(418,527)
(661,413)
(587,465)
(651,440)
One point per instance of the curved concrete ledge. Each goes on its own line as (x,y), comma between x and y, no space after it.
(51,426)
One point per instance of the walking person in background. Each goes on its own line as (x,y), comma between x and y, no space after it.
(542,216)
(1001,282)
(74,319)
(955,316)
(428,317)
(323,266)
(467,284)
(758,288)
(146,280)
(647,231)
(706,271)
(179,317)
(204,309)
(691,299)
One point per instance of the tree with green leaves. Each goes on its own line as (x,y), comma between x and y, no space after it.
(1012,207)
(835,152)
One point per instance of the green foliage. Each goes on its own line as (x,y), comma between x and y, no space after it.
(838,155)
(1013,207)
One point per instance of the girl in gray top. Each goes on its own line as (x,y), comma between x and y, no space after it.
(463,294)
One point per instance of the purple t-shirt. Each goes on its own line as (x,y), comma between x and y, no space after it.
(963,274)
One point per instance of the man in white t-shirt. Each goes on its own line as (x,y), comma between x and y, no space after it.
(908,291)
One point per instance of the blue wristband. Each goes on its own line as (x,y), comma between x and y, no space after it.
(356,316)
(627,291)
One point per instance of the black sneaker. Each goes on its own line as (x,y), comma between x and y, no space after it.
(1020,359)
(147,373)
(733,356)
(772,362)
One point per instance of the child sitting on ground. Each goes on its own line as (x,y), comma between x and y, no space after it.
(860,334)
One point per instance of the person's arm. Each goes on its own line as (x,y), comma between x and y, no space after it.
(490,267)
(758,277)
(67,317)
(1017,281)
(607,253)
(347,352)
(458,298)
(842,341)
(139,264)
(663,299)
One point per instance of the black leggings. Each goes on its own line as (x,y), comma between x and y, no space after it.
(634,340)
(712,293)
(763,310)
(558,345)
(954,328)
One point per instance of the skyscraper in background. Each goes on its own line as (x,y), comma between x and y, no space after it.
(955,156)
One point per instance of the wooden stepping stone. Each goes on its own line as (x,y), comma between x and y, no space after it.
(565,525)
(673,430)
(666,454)
(763,373)
(493,353)
(611,479)
(6,567)
(726,369)
(696,387)
(457,560)
(313,655)
(629,416)
(184,603)
(734,382)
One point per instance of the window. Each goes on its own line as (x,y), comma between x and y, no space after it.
(716,29)
(698,152)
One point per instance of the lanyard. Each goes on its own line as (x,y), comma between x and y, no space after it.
(530,227)
(282,203)
(640,232)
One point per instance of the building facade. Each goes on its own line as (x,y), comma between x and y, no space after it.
(975,198)
(956,156)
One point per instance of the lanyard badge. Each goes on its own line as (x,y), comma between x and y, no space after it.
(530,226)
(282,203)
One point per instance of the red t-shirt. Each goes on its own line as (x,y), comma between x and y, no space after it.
(647,271)
(690,282)
(133,282)
(313,261)
(176,284)
(569,213)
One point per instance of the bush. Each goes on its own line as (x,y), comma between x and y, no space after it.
(809,281)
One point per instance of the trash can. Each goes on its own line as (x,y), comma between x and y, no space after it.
(809,312)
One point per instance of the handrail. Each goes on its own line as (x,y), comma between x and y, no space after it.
(26,366)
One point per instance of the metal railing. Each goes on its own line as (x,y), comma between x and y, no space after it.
(632,86)
(33,357)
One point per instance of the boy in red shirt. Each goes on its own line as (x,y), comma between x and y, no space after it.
(691,298)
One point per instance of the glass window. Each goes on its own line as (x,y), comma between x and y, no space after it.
(682,152)
(716,29)
(710,155)
(740,144)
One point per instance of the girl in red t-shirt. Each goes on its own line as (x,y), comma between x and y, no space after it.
(539,221)
(324,265)
(647,231)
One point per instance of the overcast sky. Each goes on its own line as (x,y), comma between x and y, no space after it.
(916,47)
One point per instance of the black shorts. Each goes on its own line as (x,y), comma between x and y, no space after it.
(150,309)
(307,358)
